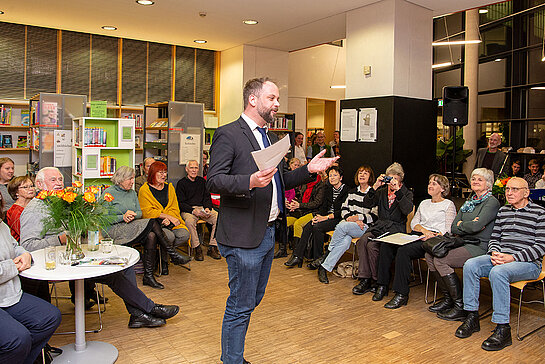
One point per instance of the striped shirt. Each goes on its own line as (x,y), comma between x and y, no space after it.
(336,193)
(520,232)
(353,206)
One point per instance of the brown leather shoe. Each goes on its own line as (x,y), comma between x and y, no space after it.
(213,252)
(198,254)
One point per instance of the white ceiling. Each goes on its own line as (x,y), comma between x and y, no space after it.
(283,24)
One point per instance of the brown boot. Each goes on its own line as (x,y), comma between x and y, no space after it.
(198,254)
(213,252)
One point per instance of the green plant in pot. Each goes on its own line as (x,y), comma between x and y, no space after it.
(444,152)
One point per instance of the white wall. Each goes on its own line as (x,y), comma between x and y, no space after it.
(231,85)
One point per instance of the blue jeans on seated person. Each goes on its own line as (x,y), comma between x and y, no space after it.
(248,276)
(500,277)
(26,328)
(340,242)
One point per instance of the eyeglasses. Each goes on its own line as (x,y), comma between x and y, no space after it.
(514,189)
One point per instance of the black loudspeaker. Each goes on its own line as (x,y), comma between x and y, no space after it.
(455,104)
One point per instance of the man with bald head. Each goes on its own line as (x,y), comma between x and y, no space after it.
(515,251)
(492,157)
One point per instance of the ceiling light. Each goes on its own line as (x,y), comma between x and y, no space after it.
(498,60)
(337,86)
(200,41)
(456,42)
(145,2)
(538,88)
(250,22)
(483,11)
(109,27)
(440,65)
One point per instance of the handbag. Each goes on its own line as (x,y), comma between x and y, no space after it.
(439,246)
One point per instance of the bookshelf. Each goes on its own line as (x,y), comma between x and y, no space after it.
(14,131)
(100,146)
(284,124)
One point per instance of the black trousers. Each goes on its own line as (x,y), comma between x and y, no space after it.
(315,235)
(403,256)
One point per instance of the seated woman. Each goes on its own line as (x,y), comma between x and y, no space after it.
(394,201)
(22,190)
(129,228)
(7,167)
(356,219)
(327,218)
(433,217)
(158,201)
(473,223)
(28,322)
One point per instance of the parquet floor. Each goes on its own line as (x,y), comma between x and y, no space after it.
(299,321)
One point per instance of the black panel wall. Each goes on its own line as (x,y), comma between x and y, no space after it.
(12,60)
(41,66)
(104,68)
(185,76)
(406,133)
(205,78)
(159,72)
(134,72)
(75,63)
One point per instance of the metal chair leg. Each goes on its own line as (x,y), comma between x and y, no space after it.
(434,290)
(520,338)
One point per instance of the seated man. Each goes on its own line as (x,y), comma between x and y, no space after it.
(196,204)
(140,180)
(144,312)
(516,247)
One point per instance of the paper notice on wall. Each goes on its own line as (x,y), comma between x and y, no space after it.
(349,119)
(62,150)
(190,147)
(368,125)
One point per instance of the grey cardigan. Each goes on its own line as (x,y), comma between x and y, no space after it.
(31,227)
(10,286)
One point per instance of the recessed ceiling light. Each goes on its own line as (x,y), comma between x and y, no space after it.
(109,27)
(200,41)
(498,60)
(145,2)
(538,88)
(337,86)
(440,65)
(250,22)
(483,11)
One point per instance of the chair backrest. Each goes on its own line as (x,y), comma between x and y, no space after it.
(409,219)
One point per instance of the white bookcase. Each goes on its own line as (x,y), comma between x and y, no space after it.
(100,146)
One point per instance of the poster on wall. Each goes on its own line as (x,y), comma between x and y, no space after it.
(190,147)
(368,125)
(62,150)
(349,119)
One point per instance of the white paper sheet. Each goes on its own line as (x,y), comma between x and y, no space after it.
(348,125)
(399,238)
(368,125)
(190,147)
(272,155)
(62,151)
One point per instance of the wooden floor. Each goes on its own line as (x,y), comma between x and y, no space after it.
(299,321)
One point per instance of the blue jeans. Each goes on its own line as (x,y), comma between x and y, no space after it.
(248,276)
(26,328)
(500,276)
(340,242)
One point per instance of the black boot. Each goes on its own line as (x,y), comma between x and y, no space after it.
(145,320)
(446,303)
(500,338)
(456,313)
(164,262)
(398,301)
(294,261)
(380,293)
(471,324)
(282,252)
(294,242)
(315,264)
(167,248)
(322,275)
(363,286)
(149,263)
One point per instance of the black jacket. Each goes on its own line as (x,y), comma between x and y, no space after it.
(390,219)
(337,204)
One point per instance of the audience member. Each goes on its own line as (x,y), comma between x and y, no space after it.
(22,190)
(336,142)
(515,250)
(433,217)
(516,169)
(130,229)
(541,183)
(298,148)
(473,224)
(140,180)
(394,201)
(196,204)
(356,220)
(492,157)
(7,168)
(143,311)
(320,145)
(204,163)
(534,174)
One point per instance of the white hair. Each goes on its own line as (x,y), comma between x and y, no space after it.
(40,176)
(396,169)
(487,174)
(122,174)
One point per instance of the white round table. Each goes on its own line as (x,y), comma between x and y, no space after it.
(91,352)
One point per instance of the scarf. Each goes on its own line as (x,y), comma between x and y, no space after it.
(470,204)
(310,187)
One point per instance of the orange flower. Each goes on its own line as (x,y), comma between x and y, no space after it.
(42,195)
(94,189)
(89,197)
(69,197)
(108,197)
(77,184)
(59,193)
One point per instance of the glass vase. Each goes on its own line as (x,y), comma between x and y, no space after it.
(73,246)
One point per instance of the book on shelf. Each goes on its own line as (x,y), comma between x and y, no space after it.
(5,115)
(49,113)
(22,141)
(25,117)
(94,137)
(137,143)
(138,118)
(107,165)
(7,141)
(79,164)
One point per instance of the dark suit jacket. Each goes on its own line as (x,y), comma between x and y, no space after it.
(499,157)
(244,213)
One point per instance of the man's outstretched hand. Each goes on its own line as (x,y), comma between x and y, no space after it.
(318,163)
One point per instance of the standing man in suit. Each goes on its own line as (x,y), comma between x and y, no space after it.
(492,157)
(252,203)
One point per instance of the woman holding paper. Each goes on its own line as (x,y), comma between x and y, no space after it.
(473,223)
(433,217)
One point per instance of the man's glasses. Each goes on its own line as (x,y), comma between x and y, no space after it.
(514,189)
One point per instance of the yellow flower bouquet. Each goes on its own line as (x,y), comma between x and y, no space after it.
(76,210)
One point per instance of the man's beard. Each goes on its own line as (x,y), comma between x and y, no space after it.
(266,114)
